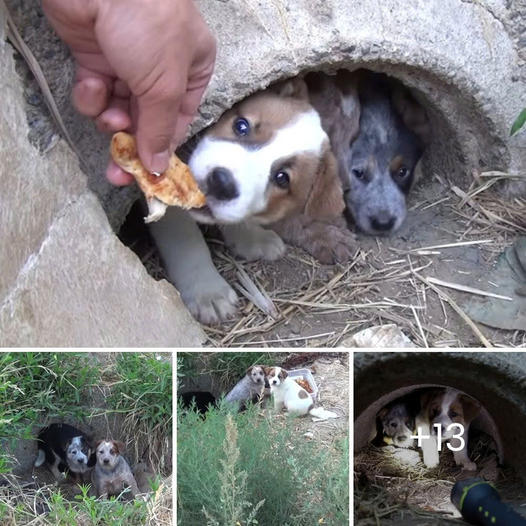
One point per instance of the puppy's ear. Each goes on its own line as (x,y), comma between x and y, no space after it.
(283,374)
(97,444)
(325,200)
(249,370)
(267,370)
(412,113)
(382,413)
(471,408)
(294,88)
(121,446)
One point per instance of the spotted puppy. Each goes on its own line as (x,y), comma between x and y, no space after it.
(446,406)
(64,448)
(289,395)
(250,388)
(112,474)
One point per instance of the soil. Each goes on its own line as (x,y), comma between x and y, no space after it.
(433,219)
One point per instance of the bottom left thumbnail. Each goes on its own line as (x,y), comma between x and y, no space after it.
(85,438)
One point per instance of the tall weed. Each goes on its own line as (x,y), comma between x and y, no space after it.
(282,468)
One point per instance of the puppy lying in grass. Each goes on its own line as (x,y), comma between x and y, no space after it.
(291,396)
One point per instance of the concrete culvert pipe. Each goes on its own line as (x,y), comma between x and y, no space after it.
(496,380)
(462,59)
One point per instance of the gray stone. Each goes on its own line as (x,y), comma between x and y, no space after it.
(66,279)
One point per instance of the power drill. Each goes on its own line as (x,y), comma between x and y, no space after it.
(479,503)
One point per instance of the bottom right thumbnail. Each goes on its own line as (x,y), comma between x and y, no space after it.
(439,438)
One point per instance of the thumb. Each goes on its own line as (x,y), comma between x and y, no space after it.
(156,125)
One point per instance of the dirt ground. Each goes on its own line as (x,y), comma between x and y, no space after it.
(331,374)
(392,486)
(322,305)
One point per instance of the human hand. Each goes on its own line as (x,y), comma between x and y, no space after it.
(142,65)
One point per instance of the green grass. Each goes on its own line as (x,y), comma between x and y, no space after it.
(143,393)
(83,509)
(37,385)
(300,482)
(227,367)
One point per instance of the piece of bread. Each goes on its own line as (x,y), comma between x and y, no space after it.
(175,187)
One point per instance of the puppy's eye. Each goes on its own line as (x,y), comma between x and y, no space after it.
(358,173)
(281,179)
(241,127)
(453,414)
(402,172)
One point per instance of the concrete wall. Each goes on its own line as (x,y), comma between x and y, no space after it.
(496,379)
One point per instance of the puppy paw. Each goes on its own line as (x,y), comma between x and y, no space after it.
(210,299)
(259,243)
(330,244)
(469,466)
(432,463)
(329,241)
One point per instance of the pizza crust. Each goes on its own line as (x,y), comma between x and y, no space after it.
(175,187)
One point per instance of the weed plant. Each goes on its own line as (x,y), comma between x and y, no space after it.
(36,385)
(143,393)
(300,483)
(233,486)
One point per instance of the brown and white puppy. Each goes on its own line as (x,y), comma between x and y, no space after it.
(250,388)
(289,395)
(112,474)
(266,159)
(454,411)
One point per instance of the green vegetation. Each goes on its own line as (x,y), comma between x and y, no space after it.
(36,387)
(227,367)
(143,393)
(520,121)
(250,469)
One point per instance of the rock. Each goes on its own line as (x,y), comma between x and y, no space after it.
(66,279)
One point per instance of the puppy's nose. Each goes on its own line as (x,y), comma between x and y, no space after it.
(382,221)
(106,461)
(221,184)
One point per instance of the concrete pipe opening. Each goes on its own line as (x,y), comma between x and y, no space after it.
(496,380)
